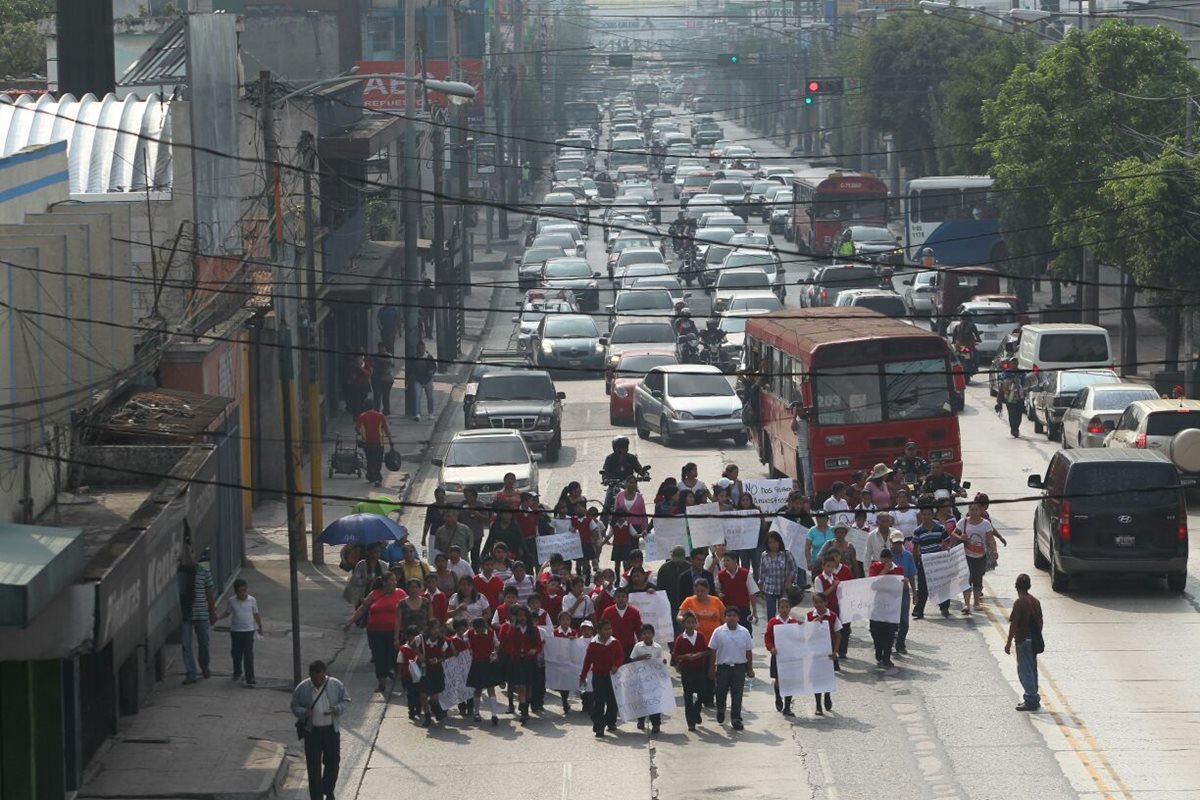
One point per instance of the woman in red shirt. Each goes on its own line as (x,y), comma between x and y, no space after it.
(783,616)
(521,642)
(380,607)
(604,654)
(485,665)
(690,656)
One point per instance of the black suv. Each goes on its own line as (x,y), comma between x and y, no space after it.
(1110,511)
(522,400)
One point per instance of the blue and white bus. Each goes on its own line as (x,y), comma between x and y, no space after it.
(956,216)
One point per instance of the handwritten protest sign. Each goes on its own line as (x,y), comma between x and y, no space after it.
(564,660)
(802,659)
(741,529)
(946,574)
(858,540)
(704,525)
(643,688)
(655,610)
(871,598)
(566,545)
(669,533)
(793,535)
(769,494)
(455,670)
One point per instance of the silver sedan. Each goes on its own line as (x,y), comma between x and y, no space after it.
(1083,423)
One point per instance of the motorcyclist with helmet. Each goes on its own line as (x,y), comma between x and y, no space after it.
(619,465)
(711,338)
(684,324)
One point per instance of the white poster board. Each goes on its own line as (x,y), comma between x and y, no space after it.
(655,610)
(793,535)
(564,661)
(858,540)
(455,670)
(875,598)
(741,529)
(802,659)
(643,688)
(566,545)
(669,533)
(770,494)
(946,574)
(704,525)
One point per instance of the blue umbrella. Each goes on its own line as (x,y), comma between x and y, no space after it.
(362,529)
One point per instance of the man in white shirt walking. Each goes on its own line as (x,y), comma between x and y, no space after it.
(318,704)
(731,662)
(245,624)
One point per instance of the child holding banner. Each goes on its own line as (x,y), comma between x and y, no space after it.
(783,616)
(521,642)
(485,673)
(604,655)
(834,572)
(820,613)
(564,631)
(690,654)
(645,650)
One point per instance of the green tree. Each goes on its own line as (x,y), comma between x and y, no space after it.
(904,65)
(1153,225)
(22,50)
(1054,131)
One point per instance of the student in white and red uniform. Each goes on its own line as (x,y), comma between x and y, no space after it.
(434,649)
(827,581)
(604,655)
(737,590)
(626,620)
(783,616)
(883,634)
(564,631)
(485,672)
(690,656)
(820,613)
(488,583)
(521,642)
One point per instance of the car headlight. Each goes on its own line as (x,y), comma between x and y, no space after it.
(681,415)
(621,391)
(941,455)
(544,420)
(613,359)
(599,347)
(837,463)
(592,285)
(547,348)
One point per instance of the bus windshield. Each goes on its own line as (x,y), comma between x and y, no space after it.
(865,393)
(843,208)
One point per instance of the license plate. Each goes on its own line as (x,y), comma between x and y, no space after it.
(1126,541)
(712,430)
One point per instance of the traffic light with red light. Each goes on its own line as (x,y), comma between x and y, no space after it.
(819,86)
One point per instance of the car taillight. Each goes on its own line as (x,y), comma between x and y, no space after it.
(964,349)
(1005,365)
(1095,425)
(1035,369)
(1181,515)
(823,294)
(1140,441)
(1064,522)
(960,384)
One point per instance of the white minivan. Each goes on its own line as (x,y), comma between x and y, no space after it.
(1063,345)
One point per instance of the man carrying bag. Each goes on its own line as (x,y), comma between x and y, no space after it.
(318,704)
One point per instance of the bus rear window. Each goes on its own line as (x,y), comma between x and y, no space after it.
(1082,348)
(1169,423)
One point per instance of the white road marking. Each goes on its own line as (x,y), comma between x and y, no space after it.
(567,794)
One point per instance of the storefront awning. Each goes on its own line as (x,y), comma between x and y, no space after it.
(36,563)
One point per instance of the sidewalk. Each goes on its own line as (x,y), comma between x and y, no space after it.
(216,740)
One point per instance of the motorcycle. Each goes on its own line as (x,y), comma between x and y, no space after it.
(969,360)
(689,270)
(689,349)
(614,485)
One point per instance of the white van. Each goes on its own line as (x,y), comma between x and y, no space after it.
(1065,345)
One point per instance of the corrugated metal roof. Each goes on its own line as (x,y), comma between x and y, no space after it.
(113,144)
(164,62)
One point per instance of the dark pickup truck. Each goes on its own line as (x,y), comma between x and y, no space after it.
(523,400)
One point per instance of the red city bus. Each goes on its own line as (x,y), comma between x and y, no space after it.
(870,383)
(827,199)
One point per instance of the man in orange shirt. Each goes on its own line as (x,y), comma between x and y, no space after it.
(371,426)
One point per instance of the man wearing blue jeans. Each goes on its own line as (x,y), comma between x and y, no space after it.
(198,601)
(422,371)
(1025,628)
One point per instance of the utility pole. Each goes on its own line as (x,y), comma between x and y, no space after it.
(410,280)
(461,162)
(312,339)
(441,270)
(295,520)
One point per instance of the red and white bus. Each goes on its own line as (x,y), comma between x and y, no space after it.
(827,199)
(870,384)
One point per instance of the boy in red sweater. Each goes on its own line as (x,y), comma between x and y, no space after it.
(690,656)
(625,619)
(737,589)
(604,654)
(488,583)
(827,581)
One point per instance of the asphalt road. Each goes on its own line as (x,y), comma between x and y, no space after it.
(1120,709)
